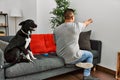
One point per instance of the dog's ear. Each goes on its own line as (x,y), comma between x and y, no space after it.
(22,23)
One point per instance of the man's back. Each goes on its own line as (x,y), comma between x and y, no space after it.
(66,37)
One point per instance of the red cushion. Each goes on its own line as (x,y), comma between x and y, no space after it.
(42,43)
(50,43)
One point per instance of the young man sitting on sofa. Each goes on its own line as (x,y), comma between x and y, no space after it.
(66,37)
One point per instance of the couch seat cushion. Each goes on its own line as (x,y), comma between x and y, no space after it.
(39,65)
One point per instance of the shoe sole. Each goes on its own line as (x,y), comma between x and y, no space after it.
(84,65)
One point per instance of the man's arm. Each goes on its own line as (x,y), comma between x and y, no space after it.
(87,22)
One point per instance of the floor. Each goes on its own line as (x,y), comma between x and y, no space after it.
(77,75)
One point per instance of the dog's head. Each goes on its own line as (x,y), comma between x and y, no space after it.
(28,25)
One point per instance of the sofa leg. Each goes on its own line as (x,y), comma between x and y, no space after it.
(94,68)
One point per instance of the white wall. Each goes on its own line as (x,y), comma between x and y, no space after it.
(44,7)
(106,25)
(6,7)
(28,8)
(38,10)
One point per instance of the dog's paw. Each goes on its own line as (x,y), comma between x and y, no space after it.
(25,60)
(33,58)
(32,61)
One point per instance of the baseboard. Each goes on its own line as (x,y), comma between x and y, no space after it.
(104,69)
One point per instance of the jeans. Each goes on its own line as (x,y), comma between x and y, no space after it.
(86,57)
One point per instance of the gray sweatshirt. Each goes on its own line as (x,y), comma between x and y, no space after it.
(66,37)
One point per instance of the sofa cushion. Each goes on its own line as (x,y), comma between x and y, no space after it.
(42,43)
(3,45)
(37,44)
(84,40)
(41,64)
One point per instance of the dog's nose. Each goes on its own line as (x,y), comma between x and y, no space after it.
(35,25)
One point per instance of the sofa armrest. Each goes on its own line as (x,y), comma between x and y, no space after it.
(97,45)
(1,57)
(6,38)
(1,63)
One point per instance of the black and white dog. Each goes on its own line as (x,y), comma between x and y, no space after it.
(18,49)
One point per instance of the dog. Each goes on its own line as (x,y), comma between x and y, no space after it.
(18,49)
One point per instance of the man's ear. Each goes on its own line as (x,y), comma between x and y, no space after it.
(72,17)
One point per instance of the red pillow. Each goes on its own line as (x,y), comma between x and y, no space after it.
(50,43)
(42,43)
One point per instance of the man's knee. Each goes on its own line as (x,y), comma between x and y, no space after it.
(90,54)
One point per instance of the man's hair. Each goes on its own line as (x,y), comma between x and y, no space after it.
(68,13)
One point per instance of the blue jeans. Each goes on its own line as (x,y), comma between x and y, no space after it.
(86,57)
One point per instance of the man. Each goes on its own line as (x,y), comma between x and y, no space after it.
(66,37)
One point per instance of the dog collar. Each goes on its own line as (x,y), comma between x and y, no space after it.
(24,32)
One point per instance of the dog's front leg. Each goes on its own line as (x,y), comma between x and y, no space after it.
(27,42)
(26,53)
(28,57)
(31,54)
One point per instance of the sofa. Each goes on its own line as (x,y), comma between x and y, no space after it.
(45,66)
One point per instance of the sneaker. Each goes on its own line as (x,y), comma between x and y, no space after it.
(90,78)
(84,65)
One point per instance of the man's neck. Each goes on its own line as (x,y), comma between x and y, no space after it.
(68,21)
